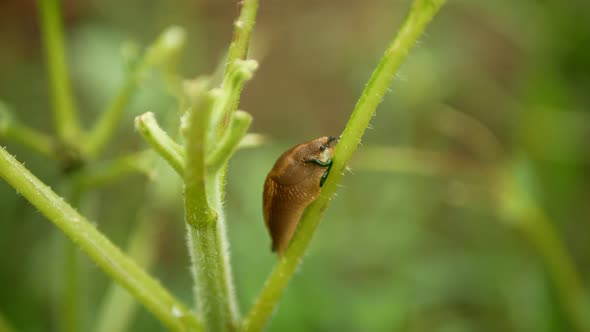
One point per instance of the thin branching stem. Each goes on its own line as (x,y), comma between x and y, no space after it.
(238,50)
(164,49)
(230,141)
(420,14)
(65,115)
(171,151)
(239,72)
(111,171)
(243,28)
(12,129)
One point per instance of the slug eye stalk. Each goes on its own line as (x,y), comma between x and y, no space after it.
(292,184)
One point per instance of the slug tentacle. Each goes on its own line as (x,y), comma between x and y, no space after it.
(293,183)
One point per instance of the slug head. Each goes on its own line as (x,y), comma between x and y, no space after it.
(317,150)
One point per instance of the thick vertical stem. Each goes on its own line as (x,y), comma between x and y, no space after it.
(206,231)
(223,243)
(214,292)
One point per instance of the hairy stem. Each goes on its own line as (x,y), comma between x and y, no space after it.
(119,307)
(238,49)
(105,254)
(239,72)
(194,127)
(65,115)
(205,235)
(243,28)
(236,73)
(420,14)
(230,141)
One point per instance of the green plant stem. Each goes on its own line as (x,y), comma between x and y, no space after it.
(205,235)
(238,49)
(421,12)
(72,276)
(65,115)
(110,118)
(194,127)
(174,153)
(229,143)
(105,254)
(111,171)
(12,129)
(171,151)
(166,47)
(522,213)
(119,307)
(572,294)
(217,193)
(252,140)
(37,141)
(243,28)
(67,127)
(239,72)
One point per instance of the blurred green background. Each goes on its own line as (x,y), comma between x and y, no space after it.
(414,240)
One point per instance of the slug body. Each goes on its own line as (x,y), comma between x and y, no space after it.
(292,184)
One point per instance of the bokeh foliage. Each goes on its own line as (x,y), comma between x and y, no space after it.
(401,248)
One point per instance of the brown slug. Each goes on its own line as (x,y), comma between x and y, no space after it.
(291,185)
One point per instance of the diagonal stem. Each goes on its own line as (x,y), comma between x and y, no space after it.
(105,254)
(119,308)
(420,14)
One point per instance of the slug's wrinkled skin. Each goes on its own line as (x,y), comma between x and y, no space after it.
(293,183)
